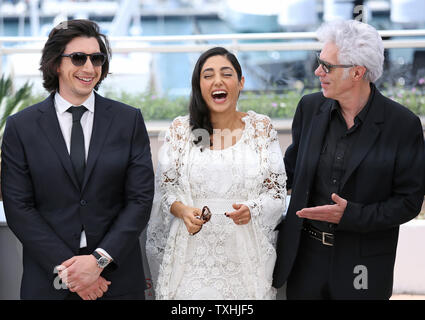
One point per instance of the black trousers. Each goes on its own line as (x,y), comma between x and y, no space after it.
(309,278)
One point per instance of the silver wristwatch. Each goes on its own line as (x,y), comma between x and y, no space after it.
(102,261)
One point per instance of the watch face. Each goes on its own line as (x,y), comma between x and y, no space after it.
(102,262)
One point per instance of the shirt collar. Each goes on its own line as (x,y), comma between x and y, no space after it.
(62,105)
(362,114)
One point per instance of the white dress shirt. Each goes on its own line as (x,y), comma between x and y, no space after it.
(65,120)
(65,123)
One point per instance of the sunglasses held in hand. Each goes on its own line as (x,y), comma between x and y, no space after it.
(205,216)
(79,59)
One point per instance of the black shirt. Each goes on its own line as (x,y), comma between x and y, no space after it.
(334,156)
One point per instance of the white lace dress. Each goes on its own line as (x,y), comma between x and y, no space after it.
(223,260)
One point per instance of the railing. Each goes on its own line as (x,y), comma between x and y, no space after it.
(199,43)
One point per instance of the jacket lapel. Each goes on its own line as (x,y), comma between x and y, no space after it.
(49,123)
(103,115)
(317,132)
(310,155)
(369,133)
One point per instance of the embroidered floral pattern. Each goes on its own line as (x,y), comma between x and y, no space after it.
(224,260)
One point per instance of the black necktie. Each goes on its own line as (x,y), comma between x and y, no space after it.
(78,152)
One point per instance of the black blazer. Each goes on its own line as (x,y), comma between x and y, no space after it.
(383,184)
(46,209)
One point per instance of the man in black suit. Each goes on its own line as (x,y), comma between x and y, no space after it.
(356,168)
(77,177)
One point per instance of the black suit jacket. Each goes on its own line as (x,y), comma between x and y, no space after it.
(383,184)
(46,209)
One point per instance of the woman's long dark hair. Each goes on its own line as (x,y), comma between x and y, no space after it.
(59,37)
(198,109)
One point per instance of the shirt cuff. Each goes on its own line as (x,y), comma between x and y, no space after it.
(100,250)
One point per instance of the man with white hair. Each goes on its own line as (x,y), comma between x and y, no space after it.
(356,168)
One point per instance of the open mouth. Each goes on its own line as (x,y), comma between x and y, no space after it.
(219,96)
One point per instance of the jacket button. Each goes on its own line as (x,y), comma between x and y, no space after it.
(83,202)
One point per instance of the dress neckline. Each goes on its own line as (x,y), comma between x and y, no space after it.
(243,119)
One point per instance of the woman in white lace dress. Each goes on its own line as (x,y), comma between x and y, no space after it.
(231,162)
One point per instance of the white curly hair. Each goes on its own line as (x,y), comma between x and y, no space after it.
(358,43)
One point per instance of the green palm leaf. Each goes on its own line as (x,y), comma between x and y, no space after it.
(10,101)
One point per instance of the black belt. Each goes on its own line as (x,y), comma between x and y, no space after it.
(325,238)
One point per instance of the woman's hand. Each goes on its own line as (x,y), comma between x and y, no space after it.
(241,216)
(189,215)
(191,218)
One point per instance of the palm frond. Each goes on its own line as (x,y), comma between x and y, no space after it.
(10,101)
(5,87)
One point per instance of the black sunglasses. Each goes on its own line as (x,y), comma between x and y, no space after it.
(79,59)
(327,67)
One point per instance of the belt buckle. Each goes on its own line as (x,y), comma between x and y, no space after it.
(324,234)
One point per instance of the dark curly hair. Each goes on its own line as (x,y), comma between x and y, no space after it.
(198,110)
(59,37)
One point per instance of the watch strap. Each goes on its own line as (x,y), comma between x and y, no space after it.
(102,261)
(96,255)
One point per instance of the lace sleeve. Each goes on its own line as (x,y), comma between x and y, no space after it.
(168,189)
(268,208)
(170,164)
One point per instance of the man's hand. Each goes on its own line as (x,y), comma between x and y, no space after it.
(95,290)
(329,213)
(79,272)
